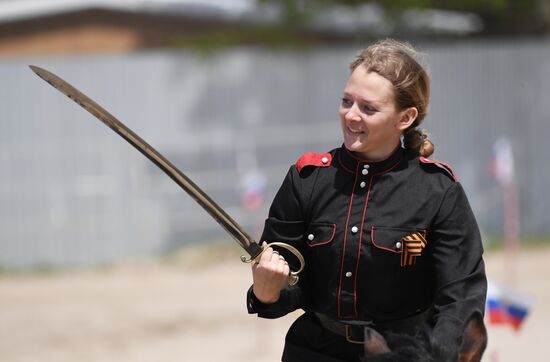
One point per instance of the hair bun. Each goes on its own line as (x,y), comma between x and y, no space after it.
(427,148)
(419,141)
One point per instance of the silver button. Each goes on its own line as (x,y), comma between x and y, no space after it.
(324,160)
(362,184)
(310,237)
(354,229)
(365,171)
(398,245)
(366,166)
(349,274)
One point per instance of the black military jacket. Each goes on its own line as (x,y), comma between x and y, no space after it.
(351,219)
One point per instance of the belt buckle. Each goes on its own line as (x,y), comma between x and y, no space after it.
(349,337)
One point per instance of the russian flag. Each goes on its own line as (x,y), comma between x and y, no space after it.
(254,185)
(507,307)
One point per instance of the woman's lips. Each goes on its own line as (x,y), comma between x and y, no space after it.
(354,132)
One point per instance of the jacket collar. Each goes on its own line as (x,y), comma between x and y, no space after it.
(353,164)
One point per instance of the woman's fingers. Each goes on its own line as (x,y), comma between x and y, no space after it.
(286,269)
(270,275)
(271,257)
(266,256)
(271,263)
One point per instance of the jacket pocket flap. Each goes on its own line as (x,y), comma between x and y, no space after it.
(320,234)
(390,238)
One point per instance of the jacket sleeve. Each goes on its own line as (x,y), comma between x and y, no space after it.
(285,223)
(459,272)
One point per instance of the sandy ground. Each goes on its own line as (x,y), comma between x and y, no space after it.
(151,311)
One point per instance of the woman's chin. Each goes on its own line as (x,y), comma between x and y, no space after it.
(354,145)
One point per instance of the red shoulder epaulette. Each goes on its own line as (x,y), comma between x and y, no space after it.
(314,159)
(441,165)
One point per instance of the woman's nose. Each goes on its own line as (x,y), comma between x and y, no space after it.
(352,114)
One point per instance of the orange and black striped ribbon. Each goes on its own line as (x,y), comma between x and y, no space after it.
(412,247)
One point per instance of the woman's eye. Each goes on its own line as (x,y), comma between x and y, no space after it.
(368,109)
(346,102)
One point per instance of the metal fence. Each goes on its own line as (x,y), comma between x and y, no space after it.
(73,193)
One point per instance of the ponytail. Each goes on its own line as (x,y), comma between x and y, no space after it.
(418,141)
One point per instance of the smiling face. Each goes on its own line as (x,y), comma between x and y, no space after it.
(371,123)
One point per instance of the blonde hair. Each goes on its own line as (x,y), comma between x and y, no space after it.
(396,61)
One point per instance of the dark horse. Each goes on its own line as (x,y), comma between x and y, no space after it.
(405,348)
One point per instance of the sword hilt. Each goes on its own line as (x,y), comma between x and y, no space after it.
(293,276)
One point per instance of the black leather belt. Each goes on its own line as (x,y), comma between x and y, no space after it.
(354,331)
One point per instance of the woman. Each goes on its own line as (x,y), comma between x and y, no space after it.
(389,238)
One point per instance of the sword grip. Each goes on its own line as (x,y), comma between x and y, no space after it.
(293,277)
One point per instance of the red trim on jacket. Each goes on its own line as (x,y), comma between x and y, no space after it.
(360,244)
(441,165)
(314,159)
(361,230)
(326,241)
(345,240)
(379,246)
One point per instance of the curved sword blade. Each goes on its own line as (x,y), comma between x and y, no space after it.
(230,225)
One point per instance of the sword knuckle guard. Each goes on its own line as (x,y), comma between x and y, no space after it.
(293,277)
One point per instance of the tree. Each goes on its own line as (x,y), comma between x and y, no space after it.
(499,17)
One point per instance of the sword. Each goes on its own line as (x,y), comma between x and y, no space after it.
(251,247)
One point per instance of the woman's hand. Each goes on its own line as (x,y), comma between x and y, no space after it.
(270,275)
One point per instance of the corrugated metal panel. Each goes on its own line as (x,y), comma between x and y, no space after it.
(72,192)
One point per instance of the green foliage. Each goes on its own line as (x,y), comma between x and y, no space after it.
(216,40)
(500,15)
(295,8)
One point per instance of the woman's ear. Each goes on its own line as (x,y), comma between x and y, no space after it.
(407,118)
